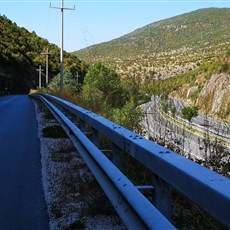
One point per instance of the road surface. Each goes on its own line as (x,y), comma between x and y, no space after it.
(22,202)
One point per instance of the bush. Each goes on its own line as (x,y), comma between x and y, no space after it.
(55,131)
(189,112)
(129,116)
(70,83)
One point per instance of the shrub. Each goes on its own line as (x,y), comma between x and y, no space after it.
(189,112)
(55,131)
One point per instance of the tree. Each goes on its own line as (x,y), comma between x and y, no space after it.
(164,102)
(189,112)
(70,83)
(131,89)
(104,92)
(129,116)
(102,86)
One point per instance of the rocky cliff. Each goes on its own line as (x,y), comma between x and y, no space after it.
(214,98)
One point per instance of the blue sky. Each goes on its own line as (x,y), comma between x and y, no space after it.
(95,21)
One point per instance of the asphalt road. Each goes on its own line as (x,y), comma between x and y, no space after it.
(22,203)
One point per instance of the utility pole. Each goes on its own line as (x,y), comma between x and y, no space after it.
(78,76)
(47,65)
(40,77)
(62,8)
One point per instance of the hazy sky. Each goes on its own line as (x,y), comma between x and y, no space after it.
(95,21)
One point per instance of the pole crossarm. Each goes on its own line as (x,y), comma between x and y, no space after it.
(62,8)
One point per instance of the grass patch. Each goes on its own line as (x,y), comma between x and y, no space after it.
(54,131)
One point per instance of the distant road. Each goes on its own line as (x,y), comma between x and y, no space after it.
(22,203)
(191,143)
(214,126)
(157,125)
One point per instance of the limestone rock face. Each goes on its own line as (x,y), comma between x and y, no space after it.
(216,96)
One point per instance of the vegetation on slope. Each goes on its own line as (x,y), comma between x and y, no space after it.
(198,29)
(105,93)
(166,48)
(206,87)
(20,56)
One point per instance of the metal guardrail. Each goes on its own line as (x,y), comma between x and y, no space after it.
(133,208)
(206,188)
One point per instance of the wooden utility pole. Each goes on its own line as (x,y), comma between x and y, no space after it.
(78,76)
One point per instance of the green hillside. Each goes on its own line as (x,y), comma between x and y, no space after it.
(20,56)
(167,47)
(190,30)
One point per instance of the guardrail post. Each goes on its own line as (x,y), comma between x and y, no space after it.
(162,197)
(81,125)
(95,137)
(116,156)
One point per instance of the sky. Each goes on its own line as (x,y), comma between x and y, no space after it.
(95,21)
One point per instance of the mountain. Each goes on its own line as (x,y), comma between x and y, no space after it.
(189,53)
(21,55)
(168,47)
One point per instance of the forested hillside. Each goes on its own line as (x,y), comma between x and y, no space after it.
(20,56)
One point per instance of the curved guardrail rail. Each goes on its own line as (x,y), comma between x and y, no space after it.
(206,188)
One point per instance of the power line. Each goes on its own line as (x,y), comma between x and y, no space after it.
(62,8)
